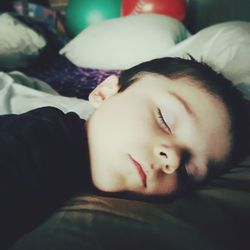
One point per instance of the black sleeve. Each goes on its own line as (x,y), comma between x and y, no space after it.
(41,166)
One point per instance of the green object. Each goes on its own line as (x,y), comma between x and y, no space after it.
(82,13)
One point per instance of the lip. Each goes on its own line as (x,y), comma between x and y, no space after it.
(140,170)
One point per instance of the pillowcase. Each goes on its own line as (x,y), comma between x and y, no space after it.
(18,43)
(225,47)
(124,42)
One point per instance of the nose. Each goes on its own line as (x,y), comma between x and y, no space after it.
(168,159)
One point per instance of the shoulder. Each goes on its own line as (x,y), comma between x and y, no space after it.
(45,116)
(45,111)
(54,117)
(48,113)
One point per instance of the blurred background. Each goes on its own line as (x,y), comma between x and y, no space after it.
(72,16)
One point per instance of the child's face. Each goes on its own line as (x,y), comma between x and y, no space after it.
(137,138)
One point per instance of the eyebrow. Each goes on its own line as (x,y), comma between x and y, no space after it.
(183,102)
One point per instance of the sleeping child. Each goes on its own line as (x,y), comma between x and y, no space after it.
(162,128)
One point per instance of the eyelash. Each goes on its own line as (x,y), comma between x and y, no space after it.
(163,122)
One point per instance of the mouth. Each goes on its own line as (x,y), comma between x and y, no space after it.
(140,171)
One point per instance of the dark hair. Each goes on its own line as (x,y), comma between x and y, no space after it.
(213,82)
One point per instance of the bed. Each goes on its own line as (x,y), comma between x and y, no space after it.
(214,217)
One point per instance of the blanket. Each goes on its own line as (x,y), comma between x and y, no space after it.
(20,93)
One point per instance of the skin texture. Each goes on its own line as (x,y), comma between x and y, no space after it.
(135,148)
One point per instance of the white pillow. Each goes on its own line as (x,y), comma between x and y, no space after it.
(225,46)
(125,41)
(18,43)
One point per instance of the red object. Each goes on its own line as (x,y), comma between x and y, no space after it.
(172,8)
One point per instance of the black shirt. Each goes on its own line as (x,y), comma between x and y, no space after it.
(43,162)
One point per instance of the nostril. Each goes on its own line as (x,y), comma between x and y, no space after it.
(166,168)
(164,154)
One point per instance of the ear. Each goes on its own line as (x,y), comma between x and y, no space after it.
(106,89)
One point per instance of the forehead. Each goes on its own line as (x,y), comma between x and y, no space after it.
(211,119)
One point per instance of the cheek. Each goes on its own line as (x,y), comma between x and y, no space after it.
(124,123)
(134,118)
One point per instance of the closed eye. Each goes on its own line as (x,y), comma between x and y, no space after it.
(162,121)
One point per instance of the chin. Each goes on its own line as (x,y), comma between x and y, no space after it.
(107,186)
